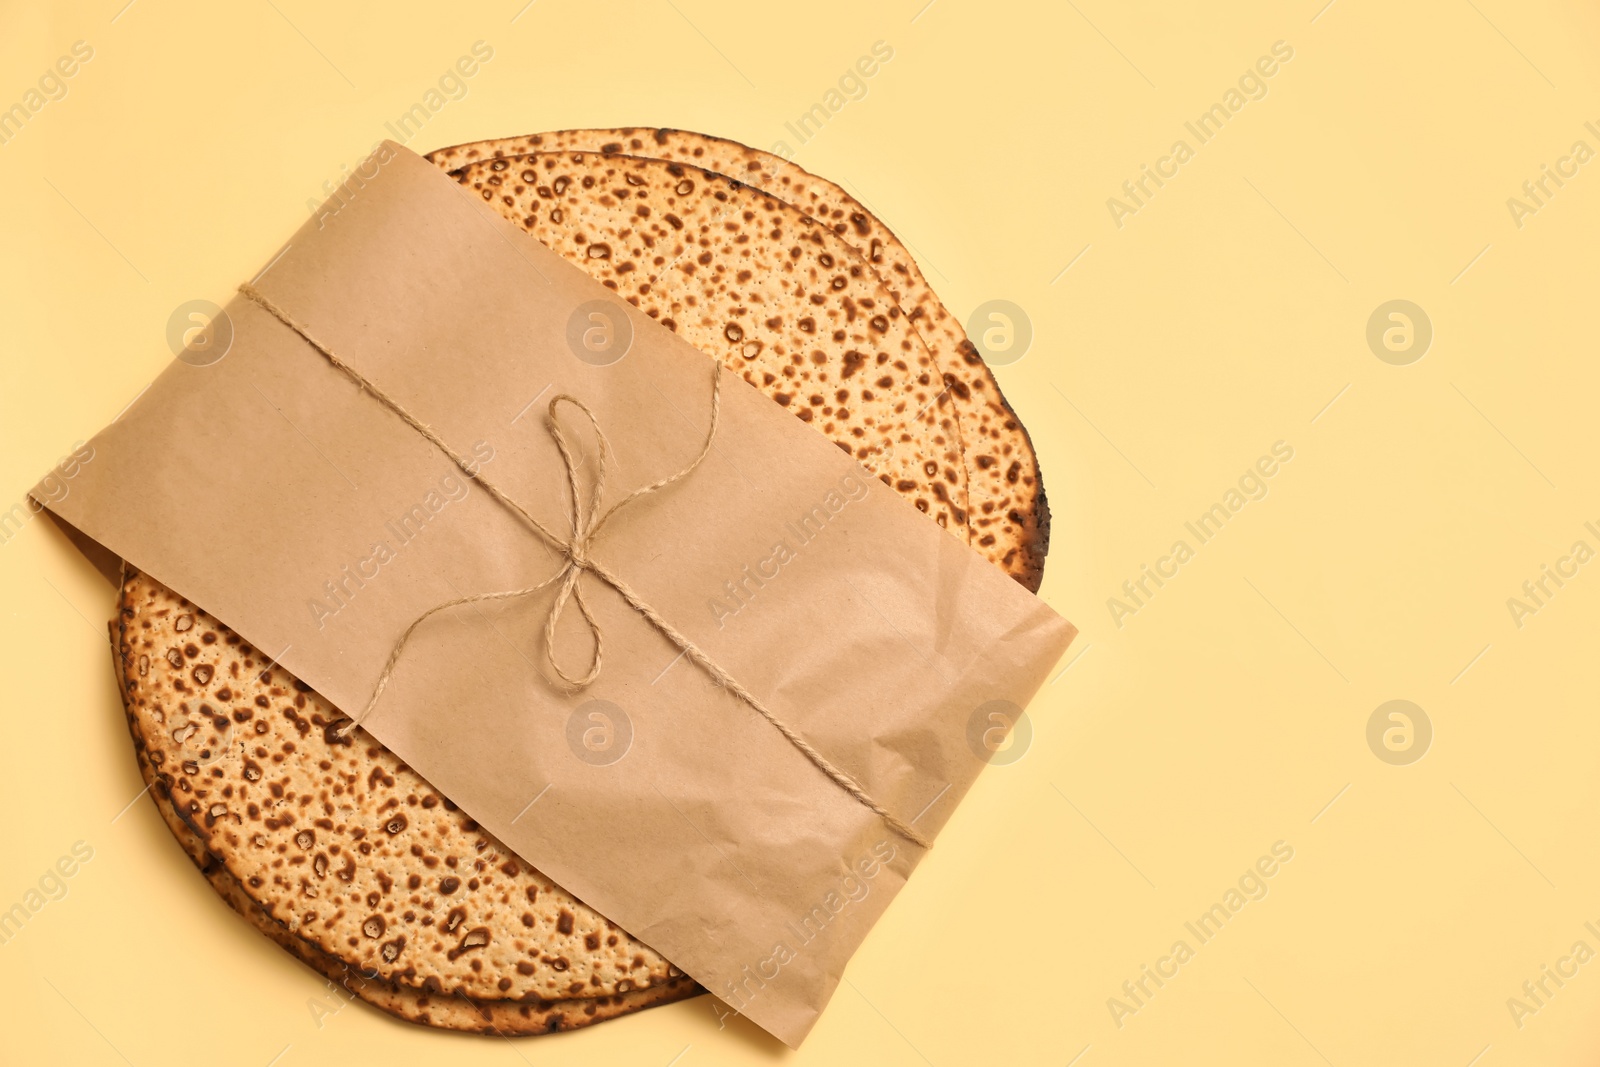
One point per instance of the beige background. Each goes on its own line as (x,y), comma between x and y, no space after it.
(1230,312)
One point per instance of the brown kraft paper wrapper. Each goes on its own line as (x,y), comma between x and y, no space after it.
(273,492)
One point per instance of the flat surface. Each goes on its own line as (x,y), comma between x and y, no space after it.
(1221,712)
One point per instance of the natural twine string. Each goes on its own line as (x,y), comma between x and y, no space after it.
(585,523)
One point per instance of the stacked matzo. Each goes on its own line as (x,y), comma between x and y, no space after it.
(345,856)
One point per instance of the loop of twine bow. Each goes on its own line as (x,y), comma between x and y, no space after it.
(586,520)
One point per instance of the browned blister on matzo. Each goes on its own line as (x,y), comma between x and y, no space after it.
(773,294)
(339,841)
(1007,514)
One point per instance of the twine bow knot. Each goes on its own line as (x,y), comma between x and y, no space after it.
(585,522)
